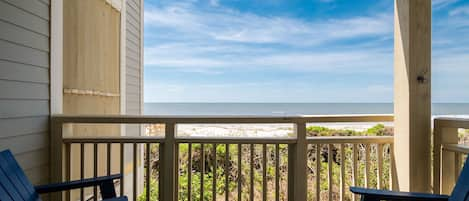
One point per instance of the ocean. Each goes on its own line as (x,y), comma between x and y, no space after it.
(292,109)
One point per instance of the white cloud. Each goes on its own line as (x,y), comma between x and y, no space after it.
(228,25)
(195,59)
(214,3)
(219,38)
(439,4)
(464,10)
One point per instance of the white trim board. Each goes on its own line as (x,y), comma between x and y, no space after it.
(56,57)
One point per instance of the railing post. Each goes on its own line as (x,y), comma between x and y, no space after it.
(297,177)
(169,160)
(443,162)
(56,150)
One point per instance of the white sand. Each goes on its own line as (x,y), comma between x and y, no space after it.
(271,130)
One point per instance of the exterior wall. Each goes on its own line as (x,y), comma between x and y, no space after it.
(24,84)
(134,62)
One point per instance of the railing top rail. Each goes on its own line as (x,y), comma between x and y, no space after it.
(350,139)
(121,139)
(457,148)
(452,122)
(235,140)
(227,119)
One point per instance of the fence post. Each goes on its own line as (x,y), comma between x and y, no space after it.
(297,177)
(169,160)
(443,161)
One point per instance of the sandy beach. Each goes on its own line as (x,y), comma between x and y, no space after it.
(263,130)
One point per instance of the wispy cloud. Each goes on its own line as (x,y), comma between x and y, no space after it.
(190,58)
(463,10)
(439,4)
(210,40)
(228,25)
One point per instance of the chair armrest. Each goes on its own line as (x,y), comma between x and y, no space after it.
(98,181)
(374,194)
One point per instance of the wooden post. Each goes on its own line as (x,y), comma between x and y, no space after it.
(169,173)
(56,150)
(412,94)
(297,177)
(443,162)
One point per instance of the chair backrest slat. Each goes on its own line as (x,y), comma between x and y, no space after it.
(14,180)
(461,189)
(4,196)
(15,167)
(9,186)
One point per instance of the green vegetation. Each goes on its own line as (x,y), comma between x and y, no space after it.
(230,168)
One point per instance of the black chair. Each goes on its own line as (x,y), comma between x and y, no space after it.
(460,191)
(15,186)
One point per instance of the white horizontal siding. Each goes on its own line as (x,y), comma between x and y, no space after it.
(24,84)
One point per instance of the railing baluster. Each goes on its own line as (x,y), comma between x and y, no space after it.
(109,159)
(342,172)
(379,178)
(240,190)
(122,171)
(367,165)
(68,161)
(251,191)
(318,172)
(457,164)
(391,167)
(329,169)
(202,172)
(214,173)
(134,185)
(227,160)
(82,169)
(264,172)
(176,172)
(148,171)
(189,173)
(355,169)
(95,169)
(277,172)
(161,172)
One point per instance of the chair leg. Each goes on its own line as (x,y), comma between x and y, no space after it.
(107,190)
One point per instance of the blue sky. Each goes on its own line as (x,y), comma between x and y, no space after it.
(292,50)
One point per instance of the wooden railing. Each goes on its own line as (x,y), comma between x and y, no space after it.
(448,153)
(287,168)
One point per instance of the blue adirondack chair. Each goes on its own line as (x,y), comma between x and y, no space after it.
(14,186)
(460,191)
